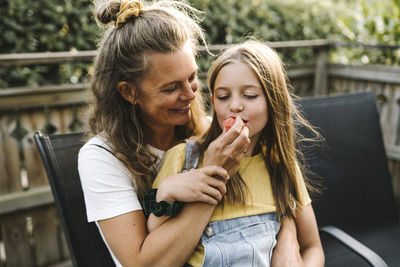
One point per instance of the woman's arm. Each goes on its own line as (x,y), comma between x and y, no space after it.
(308,236)
(169,245)
(173,242)
(287,250)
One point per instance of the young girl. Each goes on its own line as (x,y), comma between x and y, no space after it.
(248,83)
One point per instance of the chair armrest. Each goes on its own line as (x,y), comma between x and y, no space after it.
(359,248)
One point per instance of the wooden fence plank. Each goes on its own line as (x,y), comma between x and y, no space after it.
(394,168)
(13,226)
(385,104)
(46,236)
(25,200)
(17,240)
(44,229)
(372,73)
(38,100)
(21,59)
(321,73)
(9,167)
(396,115)
(34,120)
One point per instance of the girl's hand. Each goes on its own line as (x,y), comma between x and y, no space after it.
(206,184)
(228,149)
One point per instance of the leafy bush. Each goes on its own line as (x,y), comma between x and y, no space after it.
(40,26)
(230,21)
(372,22)
(63,25)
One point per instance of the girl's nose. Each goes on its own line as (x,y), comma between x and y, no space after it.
(236,106)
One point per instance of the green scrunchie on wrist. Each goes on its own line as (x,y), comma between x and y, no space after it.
(150,205)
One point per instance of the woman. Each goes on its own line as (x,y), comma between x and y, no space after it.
(145,101)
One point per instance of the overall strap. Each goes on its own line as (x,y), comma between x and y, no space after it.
(191,156)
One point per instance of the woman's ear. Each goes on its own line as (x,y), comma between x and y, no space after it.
(127,91)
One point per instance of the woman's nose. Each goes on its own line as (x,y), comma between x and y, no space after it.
(189,90)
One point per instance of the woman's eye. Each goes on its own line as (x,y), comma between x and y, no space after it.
(170,90)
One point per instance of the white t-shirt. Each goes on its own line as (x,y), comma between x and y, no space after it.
(108,186)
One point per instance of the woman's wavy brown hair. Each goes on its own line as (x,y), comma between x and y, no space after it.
(278,139)
(123,55)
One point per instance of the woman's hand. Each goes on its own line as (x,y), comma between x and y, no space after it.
(228,149)
(206,184)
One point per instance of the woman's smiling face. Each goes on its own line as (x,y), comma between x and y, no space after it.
(237,91)
(168,89)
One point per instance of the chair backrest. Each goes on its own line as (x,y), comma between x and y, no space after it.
(59,154)
(353,166)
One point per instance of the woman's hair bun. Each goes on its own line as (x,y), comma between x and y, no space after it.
(105,11)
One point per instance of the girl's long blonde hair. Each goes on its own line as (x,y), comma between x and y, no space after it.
(123,55)
(279,137)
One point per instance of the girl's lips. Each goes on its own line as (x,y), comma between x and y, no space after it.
(234,117)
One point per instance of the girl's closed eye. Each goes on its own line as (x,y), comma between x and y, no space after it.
(223,97)
(251,96)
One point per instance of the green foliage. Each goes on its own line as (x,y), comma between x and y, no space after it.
(41,26)
(63,25)
(231,21)
(372,22)
(46,25)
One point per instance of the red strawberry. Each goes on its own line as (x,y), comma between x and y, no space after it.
(228,123)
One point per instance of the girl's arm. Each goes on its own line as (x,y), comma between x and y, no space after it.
(287,250)
(308,237)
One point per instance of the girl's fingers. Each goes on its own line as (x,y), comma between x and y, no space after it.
(241,143)
(228,137)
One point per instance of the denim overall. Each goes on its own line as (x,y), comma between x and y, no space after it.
(244,241)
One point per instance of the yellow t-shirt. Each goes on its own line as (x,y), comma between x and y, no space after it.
(258,201)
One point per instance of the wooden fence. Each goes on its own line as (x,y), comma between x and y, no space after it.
(30,233)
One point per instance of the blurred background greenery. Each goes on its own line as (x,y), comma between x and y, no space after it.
(67,25)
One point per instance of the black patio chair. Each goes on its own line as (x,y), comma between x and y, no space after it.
(356,211)
(59,155)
